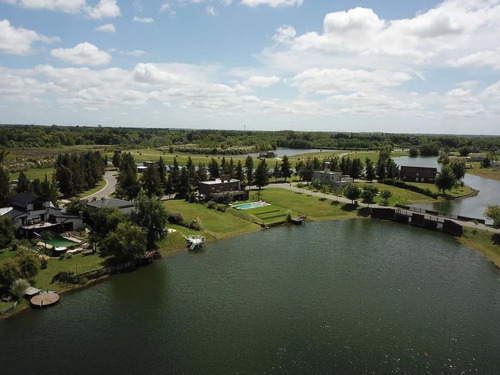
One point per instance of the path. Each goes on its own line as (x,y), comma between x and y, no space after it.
(468,224)
(108,189)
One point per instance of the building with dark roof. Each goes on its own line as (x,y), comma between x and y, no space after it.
(123,205)
(417,174)
(30,213)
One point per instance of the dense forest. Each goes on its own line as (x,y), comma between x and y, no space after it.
(226,141)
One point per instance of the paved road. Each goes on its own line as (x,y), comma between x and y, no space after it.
(107,190)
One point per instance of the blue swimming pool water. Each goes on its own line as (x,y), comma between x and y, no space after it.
(247,206)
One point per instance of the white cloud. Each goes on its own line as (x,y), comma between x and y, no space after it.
(481,58)
(105,9)
(82,54)
(272,3)
(68,6)
(211,11)
(329,81)
(18,41)
(143,20)
(261,81)
(285,33)
(107,28)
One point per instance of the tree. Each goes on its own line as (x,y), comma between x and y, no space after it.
(261,176)
(174,175)
(413,152)
(249,169)
(116,159)
(151,182)
(445,180)
(429,148)
(18,287)
(458,168)
(370,170)
(151,215)
(9,272)
(385,195)
(286,167)
(4,187)
(307,172)
(276,171)
(367,196)
(239,174)
(325,189)
(7,231)
(213,168)
(493,213)
(104,221)
(464,151)
(356,168)
(162,173)
(29,264)
(127,184)
(125,242)
(352,192)
(23,183)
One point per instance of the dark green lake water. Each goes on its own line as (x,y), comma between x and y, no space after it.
(343,297)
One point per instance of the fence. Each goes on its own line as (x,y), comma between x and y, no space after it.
(441,214)
(7,309)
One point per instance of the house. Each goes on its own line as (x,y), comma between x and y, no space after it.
(123,205)
(332,178)
(417,174)
(268,154)
(30,213)
(221,187)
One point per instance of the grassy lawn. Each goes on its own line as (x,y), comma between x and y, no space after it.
(216,224)
(141,156)
(303,204)
(490,173)
(34,173)
(456,192)
(486,243)
(265,215)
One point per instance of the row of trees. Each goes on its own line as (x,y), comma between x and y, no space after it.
(79,172)
(55,136)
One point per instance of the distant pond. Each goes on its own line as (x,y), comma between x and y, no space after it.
(489,191)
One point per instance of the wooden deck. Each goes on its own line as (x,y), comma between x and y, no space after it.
(44,299)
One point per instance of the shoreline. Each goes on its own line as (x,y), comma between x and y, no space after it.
(176,251)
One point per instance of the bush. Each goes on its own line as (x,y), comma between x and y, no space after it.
(195,224)
(212,205)
(221,208)
(18,287)
(175,218)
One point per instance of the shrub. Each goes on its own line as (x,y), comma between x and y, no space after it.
(212,205)
(195,224)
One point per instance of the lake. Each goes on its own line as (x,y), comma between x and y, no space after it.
(489,191)
(345,297)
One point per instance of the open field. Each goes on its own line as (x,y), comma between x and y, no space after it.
(490,173)
(455,192)
(34,173)
(486,243)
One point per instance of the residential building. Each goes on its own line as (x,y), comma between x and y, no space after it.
(332,178)
(219,188)
(30,213)
(123,205)
(417,174)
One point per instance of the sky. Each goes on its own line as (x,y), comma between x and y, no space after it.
(307,65)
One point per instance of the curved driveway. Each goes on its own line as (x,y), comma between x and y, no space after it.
(108,189)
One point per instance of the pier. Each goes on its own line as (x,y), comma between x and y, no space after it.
(44,299)
(195,242)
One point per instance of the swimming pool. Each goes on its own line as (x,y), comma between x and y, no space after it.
(60,242)
(247,206)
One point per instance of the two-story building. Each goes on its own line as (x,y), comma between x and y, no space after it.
(220,188)
(332,178)
(30,213)
(417,174)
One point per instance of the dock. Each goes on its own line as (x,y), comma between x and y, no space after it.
(44,299)
(195,242)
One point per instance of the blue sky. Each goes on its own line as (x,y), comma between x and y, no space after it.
(362,66)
